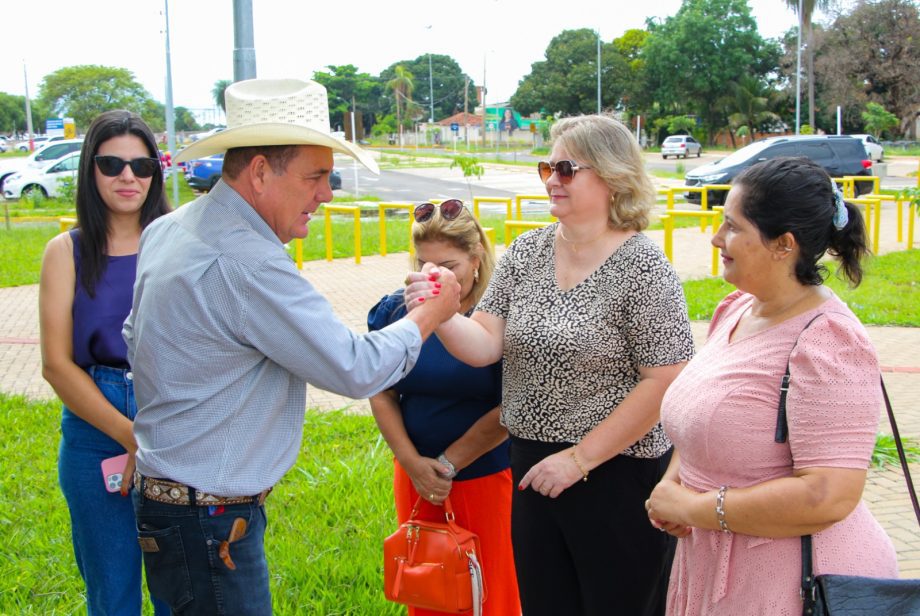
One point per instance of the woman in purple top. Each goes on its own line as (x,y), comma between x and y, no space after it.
(87,280)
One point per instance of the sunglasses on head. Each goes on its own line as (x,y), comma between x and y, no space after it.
(450,209)
(112,166)
(564,168)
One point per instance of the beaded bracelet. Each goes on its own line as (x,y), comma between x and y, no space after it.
(584,473)
(720,510)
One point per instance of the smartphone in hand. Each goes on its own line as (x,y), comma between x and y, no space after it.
(112,469)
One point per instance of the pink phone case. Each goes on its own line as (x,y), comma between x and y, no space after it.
(112,469)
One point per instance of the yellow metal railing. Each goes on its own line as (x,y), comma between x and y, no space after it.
(522,224)
(67,222)
(872,215)
(381,211)
(912,215)
(344,209)
(668,221)
(478,200)
(518,199)
(703,190)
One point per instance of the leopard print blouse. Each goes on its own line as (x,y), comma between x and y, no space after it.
(571,357)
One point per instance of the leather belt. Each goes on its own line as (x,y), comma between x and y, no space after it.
(175,493)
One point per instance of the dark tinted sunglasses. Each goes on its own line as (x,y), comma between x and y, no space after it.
(450,209)
(565,168)
(112,166)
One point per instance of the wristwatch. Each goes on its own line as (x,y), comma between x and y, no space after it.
(451,471)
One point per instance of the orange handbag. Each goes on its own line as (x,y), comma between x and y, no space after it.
(433,565)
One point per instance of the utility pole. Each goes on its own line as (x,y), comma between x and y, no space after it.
(170,112)
(483,101)
(430,90)
(244,51)
(598,71)
(798,73)
(466,117)
(25,76)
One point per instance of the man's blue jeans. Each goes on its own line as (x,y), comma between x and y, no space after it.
(102,523)
(180,545)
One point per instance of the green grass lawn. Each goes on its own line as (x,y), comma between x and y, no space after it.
(889,294)
(326,519)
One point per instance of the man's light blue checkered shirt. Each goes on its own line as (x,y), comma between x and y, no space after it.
(223,336)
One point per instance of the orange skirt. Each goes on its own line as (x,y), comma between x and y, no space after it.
(483,506)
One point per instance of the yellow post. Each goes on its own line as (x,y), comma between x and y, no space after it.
(876,224)
(518,199)
(490,234)
(67,222)
(478,200)
(298,253)
(668,236)
(912,213)
(381,215)
(521,224)
(900,203)
(327,228)
(716,223)
(357,236)
(670,199)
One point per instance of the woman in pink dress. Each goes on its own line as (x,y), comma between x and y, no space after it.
(738,500)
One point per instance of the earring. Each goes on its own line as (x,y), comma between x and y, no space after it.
(476,275)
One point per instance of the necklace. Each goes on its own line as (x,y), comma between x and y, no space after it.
(575,243)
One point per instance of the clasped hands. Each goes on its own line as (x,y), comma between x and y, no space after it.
(666,505)
(432,282)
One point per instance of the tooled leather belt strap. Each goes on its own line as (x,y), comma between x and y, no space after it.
(175,493)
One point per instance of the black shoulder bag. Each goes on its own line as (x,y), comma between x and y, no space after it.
(849,595)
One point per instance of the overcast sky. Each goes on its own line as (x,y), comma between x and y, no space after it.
(293,38)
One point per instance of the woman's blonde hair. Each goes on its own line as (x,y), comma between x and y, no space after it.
(611,151)
(464,233)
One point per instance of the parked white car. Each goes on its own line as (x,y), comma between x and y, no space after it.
(42,181)
(39,158)
(681,146)
(874,149)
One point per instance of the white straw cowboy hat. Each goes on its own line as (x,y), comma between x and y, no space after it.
(275,112)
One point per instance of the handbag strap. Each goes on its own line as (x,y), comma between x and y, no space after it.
(808,590)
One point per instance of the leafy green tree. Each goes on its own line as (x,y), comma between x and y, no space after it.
(872,54)
(185,120)
(565,82)
(878,120)
(401,85)
(13,114)
(751,99)
(345,84)
(83,92)
(217,93)
(631,46)
(691,57)
(447,80)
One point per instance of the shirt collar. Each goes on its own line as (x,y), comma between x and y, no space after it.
(228,198)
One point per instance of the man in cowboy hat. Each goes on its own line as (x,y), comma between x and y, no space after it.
(223,336)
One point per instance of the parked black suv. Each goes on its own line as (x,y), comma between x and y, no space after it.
(840,155)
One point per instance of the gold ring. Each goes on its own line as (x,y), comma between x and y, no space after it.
(407,282)
(431,496)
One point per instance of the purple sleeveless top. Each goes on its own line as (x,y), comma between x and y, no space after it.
(97,320)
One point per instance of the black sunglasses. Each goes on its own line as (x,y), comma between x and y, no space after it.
(450,209)
(112,166)
(565,168)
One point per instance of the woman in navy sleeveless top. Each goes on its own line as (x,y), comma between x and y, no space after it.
(87,280)
(442,420)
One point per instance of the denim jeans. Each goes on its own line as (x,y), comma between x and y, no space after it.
(102,523)
(182,561)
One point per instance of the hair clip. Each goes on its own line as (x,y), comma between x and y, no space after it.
(841,216)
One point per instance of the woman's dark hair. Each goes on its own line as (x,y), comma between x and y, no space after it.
(92,212)
(795,195)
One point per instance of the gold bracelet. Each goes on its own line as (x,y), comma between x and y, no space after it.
(584,473)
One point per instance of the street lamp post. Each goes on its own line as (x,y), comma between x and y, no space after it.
(798,72)
(430,90)
(170,111)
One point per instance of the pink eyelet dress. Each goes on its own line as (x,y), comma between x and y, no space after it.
(721,414)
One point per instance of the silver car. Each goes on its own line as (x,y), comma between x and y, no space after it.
(681,146)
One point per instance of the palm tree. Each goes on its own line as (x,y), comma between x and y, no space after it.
(751,99)
(808,9)
(220,86)
(402,86)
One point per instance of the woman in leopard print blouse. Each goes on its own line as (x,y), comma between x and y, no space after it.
(591,321)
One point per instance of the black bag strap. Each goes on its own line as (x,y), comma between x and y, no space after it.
(808,591)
